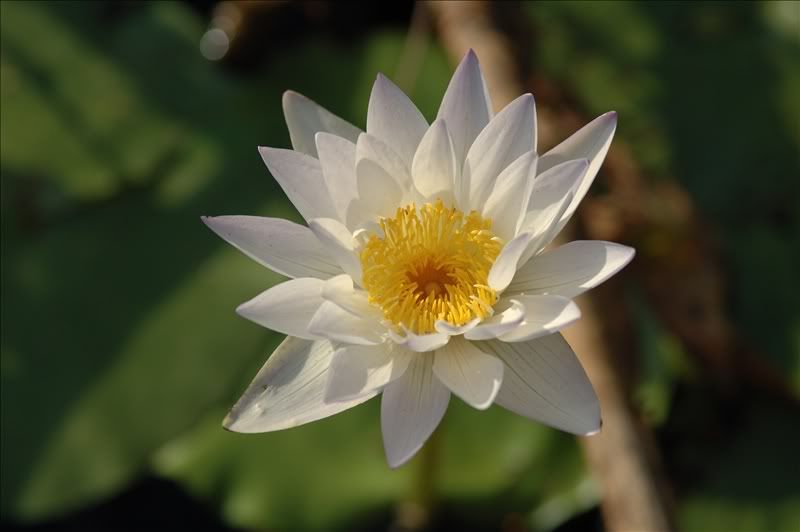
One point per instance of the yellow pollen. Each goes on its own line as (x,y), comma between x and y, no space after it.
(432,263)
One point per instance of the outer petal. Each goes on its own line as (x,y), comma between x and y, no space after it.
(335,323)
(394,119)
(288,390)
(572,268)
(544,381)
(287,307)
(305,118)
(543,315)
(339,243)
(411,409)
(510,134)
(282,246)
(470,373)
(508,200)
(466,106)
(434,166)
(357,369)
(502,322)
(338,159)
(300,177)
(590,142)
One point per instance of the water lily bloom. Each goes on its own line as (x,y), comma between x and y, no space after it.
(425,269)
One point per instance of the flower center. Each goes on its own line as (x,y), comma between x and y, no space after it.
(431,264)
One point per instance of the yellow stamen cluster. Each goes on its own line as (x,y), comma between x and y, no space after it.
(431,264)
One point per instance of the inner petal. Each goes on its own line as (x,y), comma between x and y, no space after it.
(431,263)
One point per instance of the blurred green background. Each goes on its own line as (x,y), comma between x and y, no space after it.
(121,352)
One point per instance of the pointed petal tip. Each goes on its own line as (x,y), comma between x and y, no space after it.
(395,464)
(211,222)
(400,460)
(525,100)
(609,118)
(470,56)
(288,95)
(597,430)
(228,422)
(327,135)
(630,253)
(241,308)
(627,253)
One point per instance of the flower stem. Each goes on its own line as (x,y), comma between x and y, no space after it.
(426,472)
(417,511)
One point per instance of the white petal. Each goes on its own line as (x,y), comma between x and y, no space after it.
(505,265)
(454,330)
(547,231)
(305,118)
(470,373)
(340,290)
(508,200)
(359,369)
(300,177)
(502,322)
(591,142)
(420,343)
(289,390)
(394,119)
(543,315)
(372,148)
(551,196)
(334,323)
(550,189)
(411,409)
(287,307)
(339,243)
(338,159)
(510,134)
(379,194)
(434,166)
(572,268)
(466,106)
(282,246)
(544,381)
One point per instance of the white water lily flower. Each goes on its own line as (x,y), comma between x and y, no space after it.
(424,269)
